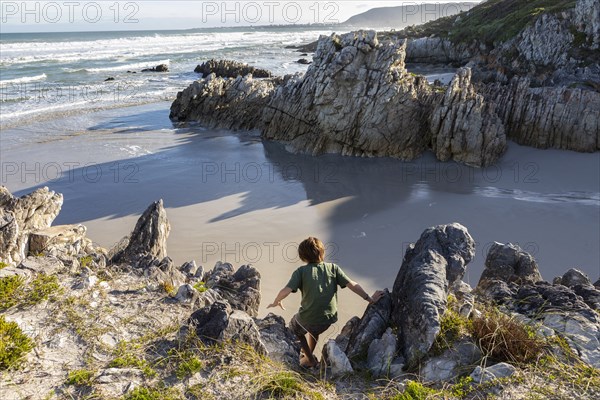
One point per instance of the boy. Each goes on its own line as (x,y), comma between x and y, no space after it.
(318,282)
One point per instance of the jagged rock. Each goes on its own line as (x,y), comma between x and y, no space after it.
(281,344)
(587,18)
(219,322)
(464,127)
(21,216)
(373,324)
(381,354)
(335,358)
(240,288)
(64,240)
(574,277)
(344,337)
(200,274)
(189,268)
(496,371)
(420,291)
(597,284)
(304,61)
(149,237)
(230,69)
(455,361)
(218,102)
(589,294)
(158,68)
(162,272)
(508,263)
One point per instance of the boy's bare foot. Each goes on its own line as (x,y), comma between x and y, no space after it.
(305,361)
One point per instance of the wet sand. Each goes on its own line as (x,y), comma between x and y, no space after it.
(234,198)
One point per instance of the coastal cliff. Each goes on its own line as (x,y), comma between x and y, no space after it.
(536,83)
(127,323)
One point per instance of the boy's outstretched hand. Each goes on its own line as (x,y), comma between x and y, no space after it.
(376,296)
(276,305)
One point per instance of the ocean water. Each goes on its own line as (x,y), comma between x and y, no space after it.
(47,75)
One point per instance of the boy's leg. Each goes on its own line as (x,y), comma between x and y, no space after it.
(308,352)
(312,341)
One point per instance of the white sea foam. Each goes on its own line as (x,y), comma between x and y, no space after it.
(23,79)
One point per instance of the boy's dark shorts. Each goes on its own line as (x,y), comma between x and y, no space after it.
(300,329)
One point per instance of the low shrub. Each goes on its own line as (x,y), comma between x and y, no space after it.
(14,345)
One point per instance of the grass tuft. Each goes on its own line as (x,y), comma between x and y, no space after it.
(14,345)
(80,377)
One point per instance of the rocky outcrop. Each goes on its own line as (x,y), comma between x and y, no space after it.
(548,117)
(464,127)
(436,50)
(148,239)
(355,99)
(453,362)
(280,342)
(587,19)
(19,217)
(230,69)
(232,104)
(336,359)
(420,291)
(373,324)
(240,288)
(219,322)
(506,266)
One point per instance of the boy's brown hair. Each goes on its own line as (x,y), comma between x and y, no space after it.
(311,250)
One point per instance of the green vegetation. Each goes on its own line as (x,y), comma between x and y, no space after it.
(462,388)
(452,328)
(9,291)
(285,384)
(415,391)
(3,265)
(129,355)
(14,345)
(86,261)
(13,290)
(201,287)
(168,288)
(80,377)
(188,365)
(489,22)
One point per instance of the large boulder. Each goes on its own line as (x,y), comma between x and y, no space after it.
(336,359)
(148,239)
(373,324)
(63,240)
(453,362)
(420,291)
(21,216)
(219,322)
(281,343)
(240,288)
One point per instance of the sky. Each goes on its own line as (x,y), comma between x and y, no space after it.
(113,15)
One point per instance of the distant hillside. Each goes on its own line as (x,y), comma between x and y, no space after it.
(403,16)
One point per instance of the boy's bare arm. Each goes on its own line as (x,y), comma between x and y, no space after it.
(356,288)
(283,293)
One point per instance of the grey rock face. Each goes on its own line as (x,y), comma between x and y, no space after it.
(21,216)
(372,325)
(548,117)
(420,291)
(149,237)
(587,18)
(336,359)
(381,354)
(436,50)
(281,344)
(454,362)
(508,263)
(66,240)
(230,69)
(240,288)
(219,322)
(464,127)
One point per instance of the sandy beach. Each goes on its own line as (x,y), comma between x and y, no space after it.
(233,198)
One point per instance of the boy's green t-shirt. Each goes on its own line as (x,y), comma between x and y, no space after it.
(318,284)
